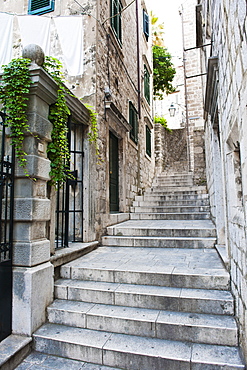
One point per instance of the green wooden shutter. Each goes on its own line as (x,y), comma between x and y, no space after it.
(148,141)
(116,19)
(133,121)
(40,6)
(146,24)
(146,84)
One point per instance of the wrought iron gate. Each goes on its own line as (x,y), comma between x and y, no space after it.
(6,231)
(69,212)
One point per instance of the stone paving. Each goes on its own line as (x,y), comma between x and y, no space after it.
(40,361)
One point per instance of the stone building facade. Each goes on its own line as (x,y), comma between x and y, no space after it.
(189,111)
(115,69)
(223,25)
(115,79)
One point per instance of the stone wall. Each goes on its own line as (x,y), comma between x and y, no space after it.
(171,152)
(107,64)
(227,169)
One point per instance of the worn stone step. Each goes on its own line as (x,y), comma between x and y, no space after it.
(166,276)
(169,202)
(146,296)
(180,326)
(132,352)
(162,207)
(170,228)
(186,191)
(159,242)
(169,216)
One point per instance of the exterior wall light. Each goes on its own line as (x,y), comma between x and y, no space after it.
(172,110)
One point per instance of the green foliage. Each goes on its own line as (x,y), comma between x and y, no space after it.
(58,149)
(163,122)
(93,133)
(163,72)
(14,89)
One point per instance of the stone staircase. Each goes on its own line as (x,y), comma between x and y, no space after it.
(155,295)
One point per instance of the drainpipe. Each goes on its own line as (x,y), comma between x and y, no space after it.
(138,87)
(138,60)
(186,95)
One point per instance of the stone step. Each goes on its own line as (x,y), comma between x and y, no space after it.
(170,216)
(168,228)
(204,201)
(146,296)
(179,326)
(199,278)
(159,242)
(174,198)
(186,190)
(160,207)
(132,352)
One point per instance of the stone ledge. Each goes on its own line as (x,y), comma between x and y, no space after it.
(75,250)
(13,350)
(221,249)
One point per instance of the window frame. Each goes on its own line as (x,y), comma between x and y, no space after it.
(133,121)
(41,9)
(116,20)
(147,84)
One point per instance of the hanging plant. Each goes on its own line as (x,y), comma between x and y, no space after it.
(14,89)
(58,149)
(93,133)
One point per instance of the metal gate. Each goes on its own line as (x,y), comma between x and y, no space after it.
(69,211)
(6,230)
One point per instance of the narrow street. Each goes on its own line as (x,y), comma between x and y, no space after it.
(155,295)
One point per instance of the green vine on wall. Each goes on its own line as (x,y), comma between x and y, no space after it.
(14,90)
(58,149)
(93,133)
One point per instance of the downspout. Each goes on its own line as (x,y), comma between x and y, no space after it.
(186,95)
(139,89)
(138,60)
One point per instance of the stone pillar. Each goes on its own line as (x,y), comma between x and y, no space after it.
(32,270)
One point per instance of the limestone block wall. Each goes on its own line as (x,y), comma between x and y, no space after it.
(226,23)
(171,150)
(107,64)
(193,92)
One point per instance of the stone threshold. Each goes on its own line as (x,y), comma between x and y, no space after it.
(75,250)
(13,350)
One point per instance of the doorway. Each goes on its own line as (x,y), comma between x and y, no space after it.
(114,173)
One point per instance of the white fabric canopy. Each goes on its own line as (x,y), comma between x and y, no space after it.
(6,37)
(35,30)
(70,33)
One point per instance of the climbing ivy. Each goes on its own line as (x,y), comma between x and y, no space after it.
(14,89)
(93,133)
(58,149)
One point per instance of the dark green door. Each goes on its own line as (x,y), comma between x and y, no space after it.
(113,168)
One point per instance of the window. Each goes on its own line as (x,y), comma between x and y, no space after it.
(40,6)
(116,18)
(146,24)
(133,121)
(148,141)
(146,84)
